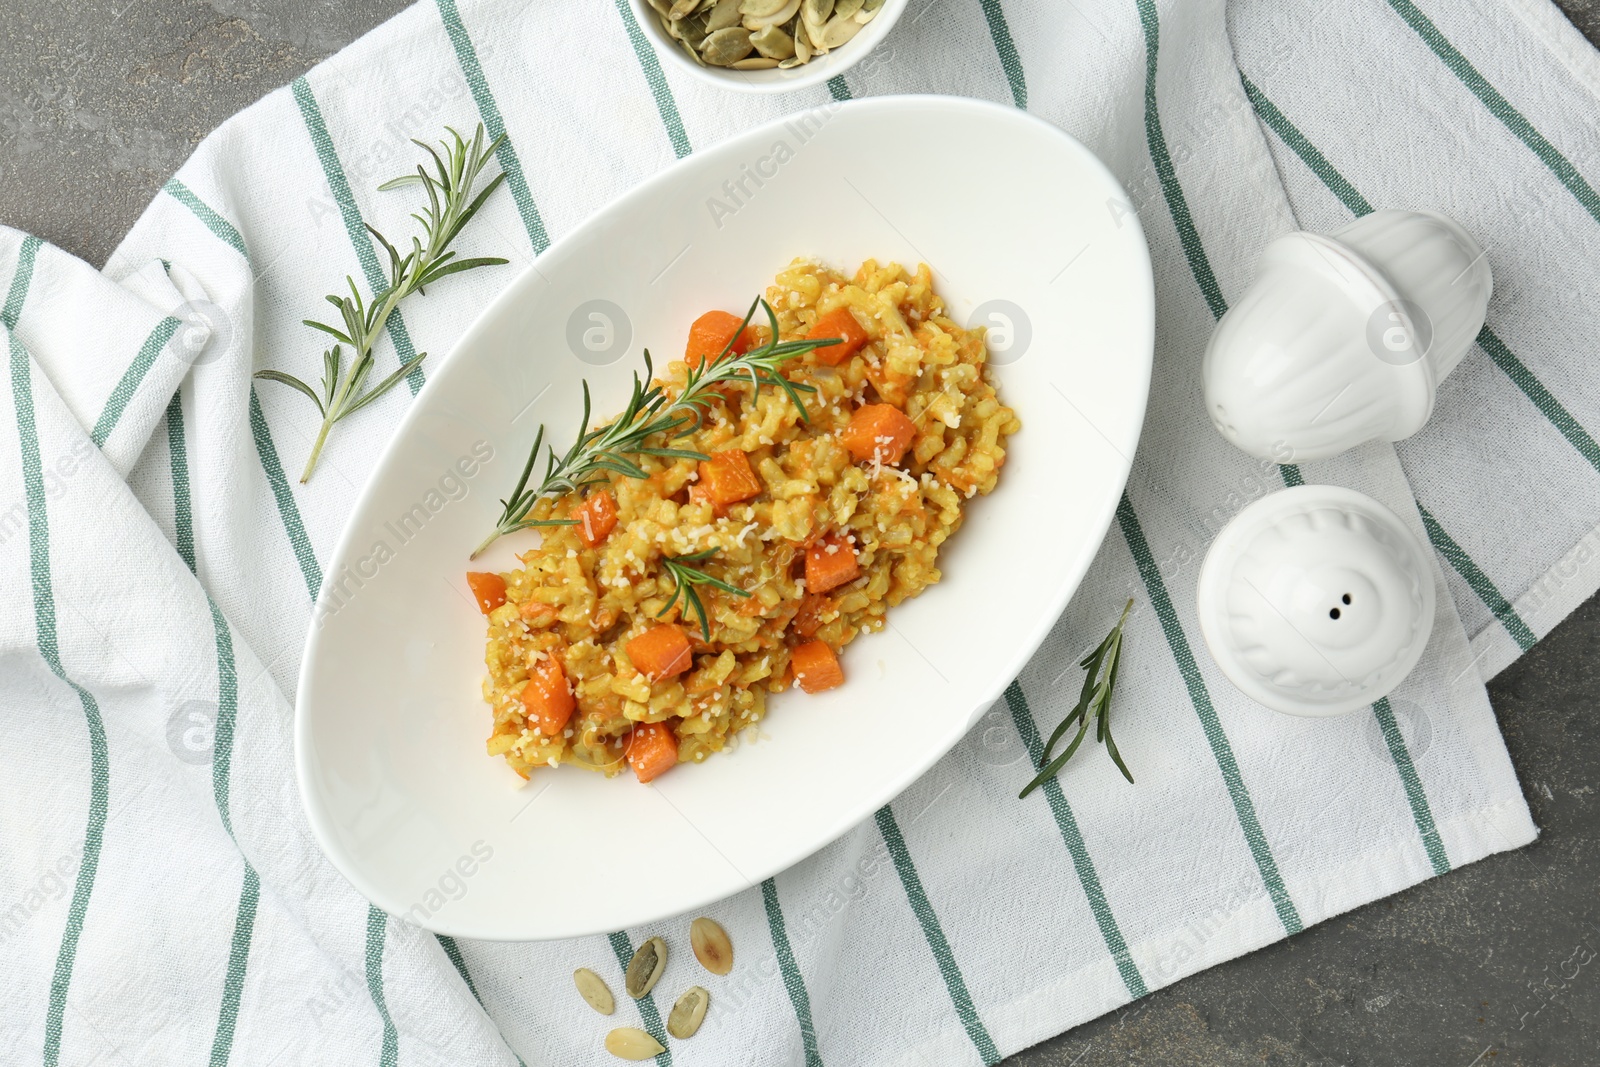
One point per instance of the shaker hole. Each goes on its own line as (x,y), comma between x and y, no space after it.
(1346,598)
(1334,614)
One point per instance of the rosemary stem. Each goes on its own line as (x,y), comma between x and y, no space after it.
(484,545)
(316,448)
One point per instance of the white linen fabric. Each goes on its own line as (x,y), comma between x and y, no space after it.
(161,899)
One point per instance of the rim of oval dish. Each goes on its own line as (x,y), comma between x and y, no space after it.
(1211,597)
(771,81)
(321,819)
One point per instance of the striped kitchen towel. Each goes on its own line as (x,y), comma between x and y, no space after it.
(161,899)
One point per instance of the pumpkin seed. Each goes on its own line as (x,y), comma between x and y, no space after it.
(688,1013)
(726,47)
(816,11)
(687,47)
(711,945)
(814,33)
(776,18)
(779,33)
(723,15)
(644,970)
(631,1043)
(773,43)
(593,989)
(839,31)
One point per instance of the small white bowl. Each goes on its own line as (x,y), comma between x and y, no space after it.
(804,76)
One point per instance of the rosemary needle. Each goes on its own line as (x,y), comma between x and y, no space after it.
(685,577)
(1094,703)
(603,451)
(451,205)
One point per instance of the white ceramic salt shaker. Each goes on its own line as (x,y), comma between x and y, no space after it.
(1316,600)
(1343,338)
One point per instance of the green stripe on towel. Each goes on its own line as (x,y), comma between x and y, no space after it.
(222,749)
(21,279)
(377,931)
(452,952)
(839,88)
(1500,107)
(117,402)
(792,979)
(212,221)
(1420,810)
(943,956)
(44,618)
(250,892)
(494,125)
(178,461)
(1006,49)
(1088,878)
(360,240)
(1221,749)
(1479,582)
(623,949)
(1268,112)
(653,76)
(244,925)
(1200,267)
(287,511)
(1551,408)
(1177,205)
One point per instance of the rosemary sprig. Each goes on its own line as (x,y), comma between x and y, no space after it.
(451,204)
(685,577)
(1094,702)
(606,450)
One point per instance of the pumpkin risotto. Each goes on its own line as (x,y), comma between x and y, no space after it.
(821,526)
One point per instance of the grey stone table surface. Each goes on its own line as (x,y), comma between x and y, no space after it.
(101,100)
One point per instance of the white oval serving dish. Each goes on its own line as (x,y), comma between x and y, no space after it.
(389,722)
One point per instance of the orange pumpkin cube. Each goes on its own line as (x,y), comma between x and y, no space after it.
(842,324)
(830,563)
(651,750)
(710,336)
(489,589)
(660,652)
(726,479)
(547,699)
(597,517)
(878,432)
(815,667)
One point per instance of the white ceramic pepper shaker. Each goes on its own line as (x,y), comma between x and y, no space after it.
(1343,338)
(1316,600)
